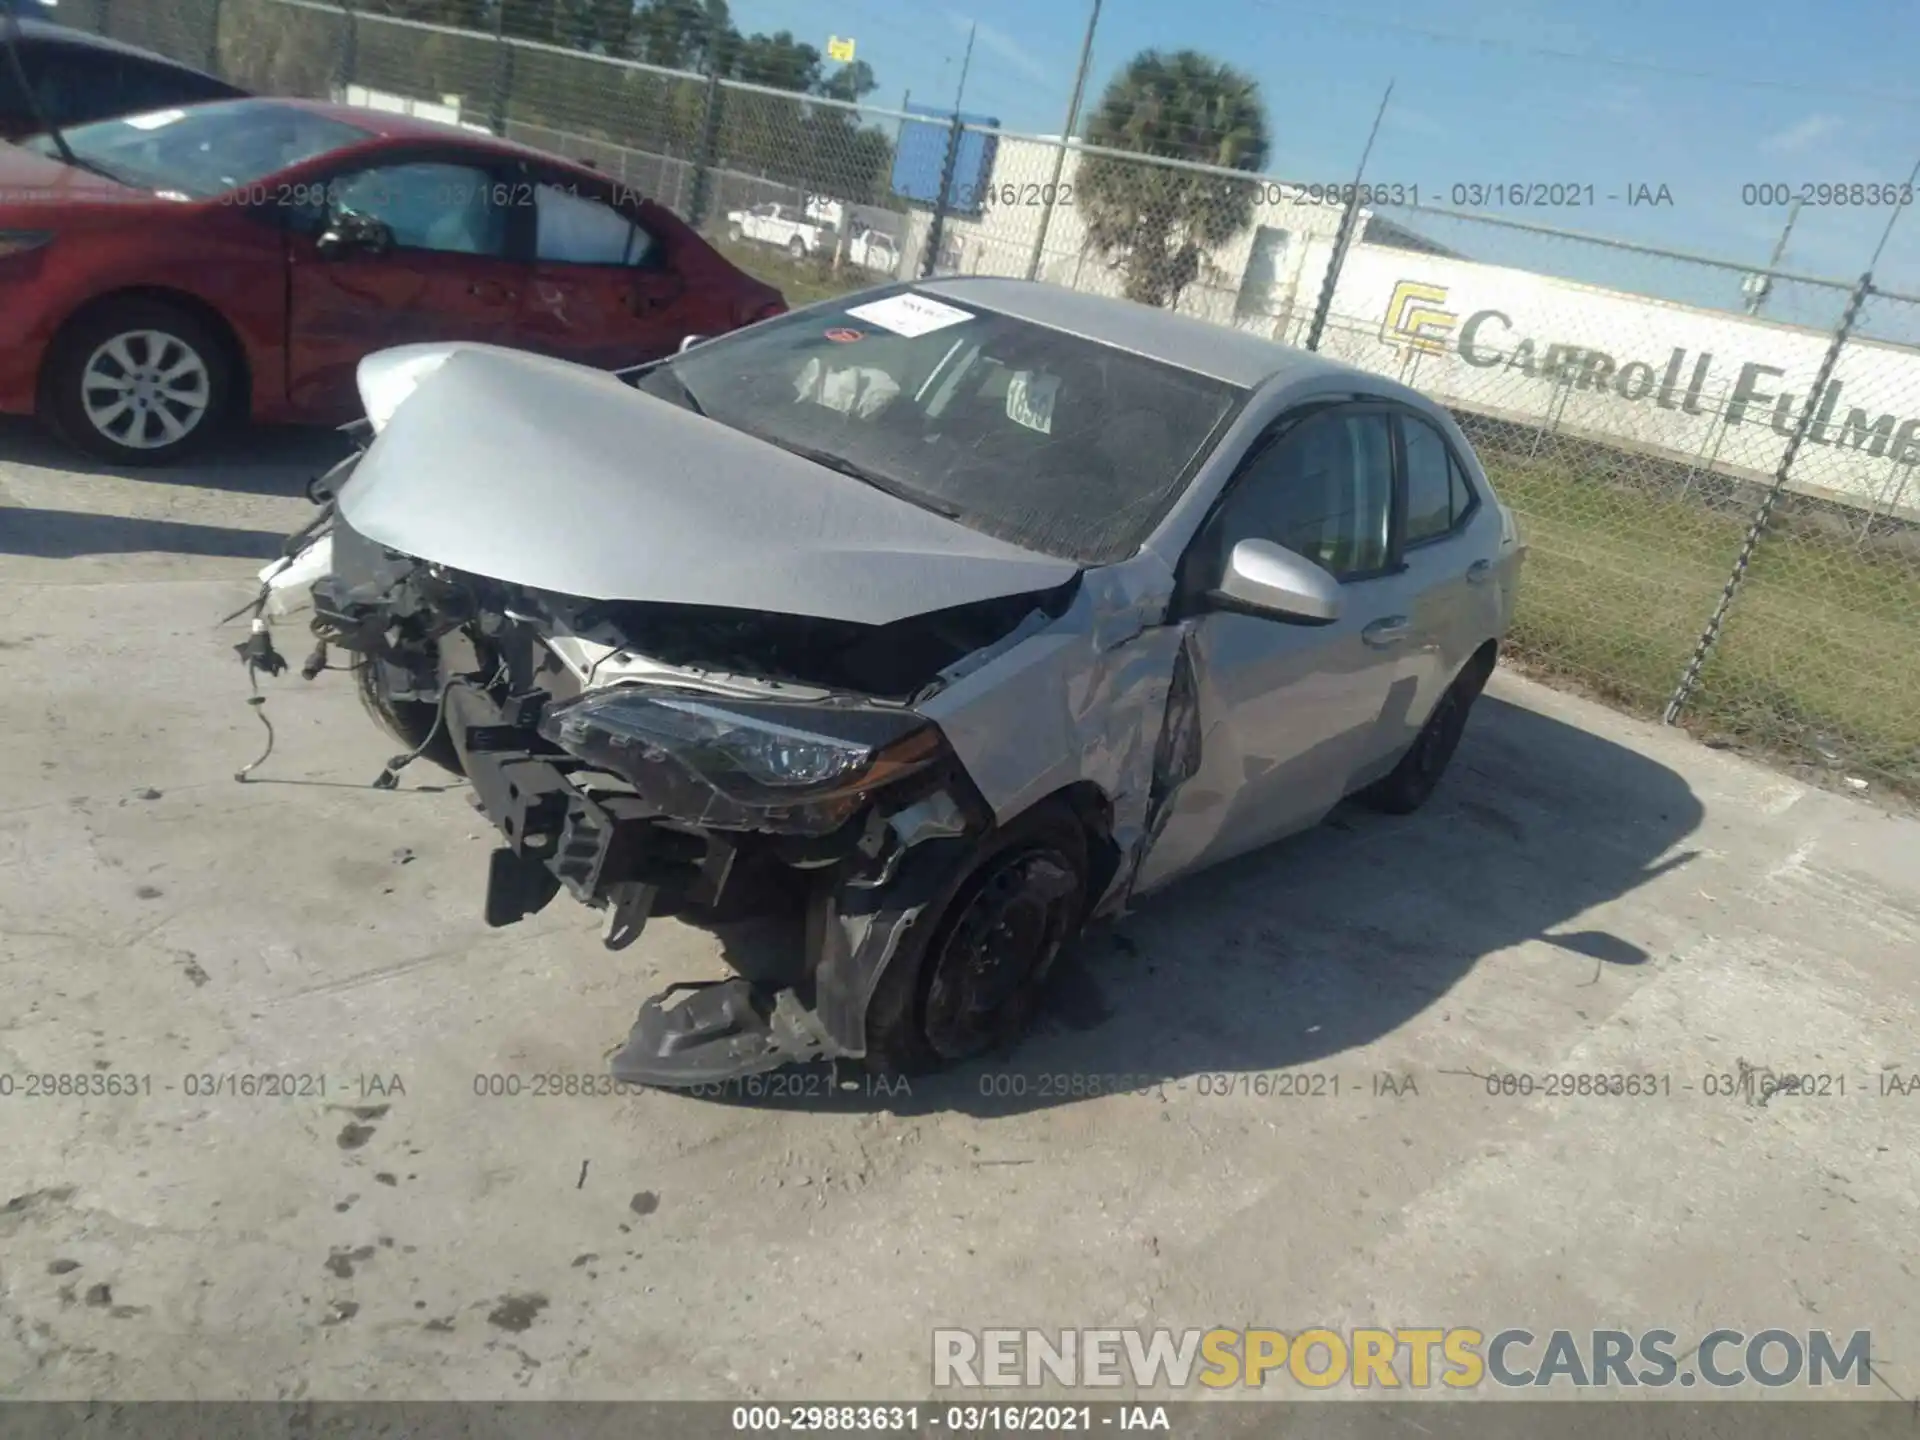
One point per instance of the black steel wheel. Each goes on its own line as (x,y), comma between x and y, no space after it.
(416,724)
(974,984)
(1411,783)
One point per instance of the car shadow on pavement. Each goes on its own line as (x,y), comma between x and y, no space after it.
(1287,959)
(64,534)
(250,459)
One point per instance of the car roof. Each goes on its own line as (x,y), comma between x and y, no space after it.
(1182,341)
(47,32)
(386,125)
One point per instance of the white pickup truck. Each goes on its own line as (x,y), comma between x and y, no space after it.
(802,235)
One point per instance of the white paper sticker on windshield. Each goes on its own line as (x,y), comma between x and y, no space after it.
(1030,400)
(909,315)
(155,120)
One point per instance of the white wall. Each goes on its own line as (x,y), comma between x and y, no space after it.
(447,112)
(1001,241)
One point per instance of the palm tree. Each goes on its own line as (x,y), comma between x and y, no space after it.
(1156,223)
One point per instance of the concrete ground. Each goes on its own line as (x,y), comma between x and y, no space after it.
(1588,894)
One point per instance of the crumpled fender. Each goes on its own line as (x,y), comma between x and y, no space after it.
(1105,695)
(1082,701)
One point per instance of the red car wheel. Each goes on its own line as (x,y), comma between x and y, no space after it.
(139,382)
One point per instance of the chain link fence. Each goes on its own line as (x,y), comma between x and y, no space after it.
(1715,537)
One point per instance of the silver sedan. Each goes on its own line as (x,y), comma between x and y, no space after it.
(947,617)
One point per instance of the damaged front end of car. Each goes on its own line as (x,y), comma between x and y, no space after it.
(716,763)
(733,780)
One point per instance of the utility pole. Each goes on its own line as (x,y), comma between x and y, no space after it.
(1760,286)
(1052,191)
(965,61)
(936,230)
(1343,236)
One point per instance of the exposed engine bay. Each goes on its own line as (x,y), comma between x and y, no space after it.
(656,759)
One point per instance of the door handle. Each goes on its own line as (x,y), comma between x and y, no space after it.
(1384,633)
(1479,572)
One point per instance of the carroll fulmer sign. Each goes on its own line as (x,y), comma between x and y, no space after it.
(1703,385)
(1487,339)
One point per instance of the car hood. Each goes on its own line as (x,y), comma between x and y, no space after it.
(560,478)
(38,180)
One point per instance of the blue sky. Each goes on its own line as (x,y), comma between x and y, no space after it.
(1702,96)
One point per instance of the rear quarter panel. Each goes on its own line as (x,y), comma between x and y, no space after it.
(719,295)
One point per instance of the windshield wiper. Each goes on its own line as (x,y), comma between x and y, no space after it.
(886,484)
(94,167)
(19,76)
(641,378)
(687,397)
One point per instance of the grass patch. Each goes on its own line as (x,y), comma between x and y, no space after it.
(1818,657)
(801,281)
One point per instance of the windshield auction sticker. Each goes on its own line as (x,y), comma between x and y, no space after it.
(909,315)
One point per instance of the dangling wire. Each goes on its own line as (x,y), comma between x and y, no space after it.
(258,653)
(389,778)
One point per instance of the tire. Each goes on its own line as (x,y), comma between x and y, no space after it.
(1411,783)
(139,382)
(410,722)
(1027,884)
(735,234)
(797,248)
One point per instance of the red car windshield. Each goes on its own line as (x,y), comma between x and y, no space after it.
(203,151)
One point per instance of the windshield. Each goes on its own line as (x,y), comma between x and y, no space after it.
(1045,440)
(203,151)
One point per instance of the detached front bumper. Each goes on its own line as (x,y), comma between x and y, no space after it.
(617,853)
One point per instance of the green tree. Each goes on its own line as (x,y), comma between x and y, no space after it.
(1156,223)
(685,35)
(778,60)
(600,27)
(852,83)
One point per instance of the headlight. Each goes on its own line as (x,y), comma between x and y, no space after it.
(744,763)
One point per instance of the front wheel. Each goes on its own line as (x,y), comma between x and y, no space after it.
(974,981)
(797,248)
(416,724)
(735,234)
(139,382)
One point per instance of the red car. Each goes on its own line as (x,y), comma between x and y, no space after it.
(171,272)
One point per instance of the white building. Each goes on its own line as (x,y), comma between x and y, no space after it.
(1261,280)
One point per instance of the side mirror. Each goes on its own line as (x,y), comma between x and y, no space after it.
(690,341)
(347,232)
(1263,578)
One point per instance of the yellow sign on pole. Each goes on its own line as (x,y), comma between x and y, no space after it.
(841,50)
